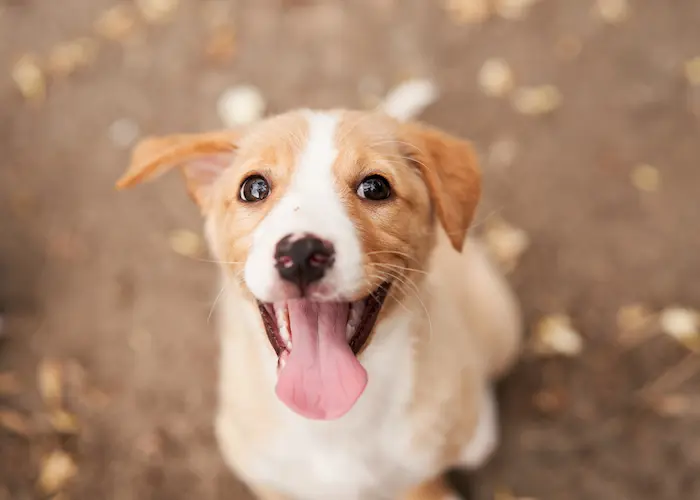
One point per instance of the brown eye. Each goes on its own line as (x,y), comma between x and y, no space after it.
(374,188)
(254,188)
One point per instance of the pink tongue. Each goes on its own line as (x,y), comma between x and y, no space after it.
(322,378)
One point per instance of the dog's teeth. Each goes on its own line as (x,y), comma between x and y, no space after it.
(356,310)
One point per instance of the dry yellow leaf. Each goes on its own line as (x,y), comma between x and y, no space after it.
(57,469)
(682,324)
(646,178)
(468,11)
(9,384)
(29,78)
(185,242)
(15,422)
(505,242)
(64,422)
(117,23)
(496,78)
(66,58)
(50,382)
(157,11)
(692,71)
(613,11)
(538,100)
(555,335)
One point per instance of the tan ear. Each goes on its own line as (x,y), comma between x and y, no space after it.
(201,157)
(451,172)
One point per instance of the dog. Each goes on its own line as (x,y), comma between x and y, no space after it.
(361,329)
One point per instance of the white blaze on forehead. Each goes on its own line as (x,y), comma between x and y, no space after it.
(311,204)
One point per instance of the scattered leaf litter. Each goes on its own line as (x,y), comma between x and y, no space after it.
(692,71)
(410,98)
(9,384)
(29,78)
(555,335)
(15,422)
(513,9)
(117,23)
(683,325)
(221,45)
(241,105)
(613,11)
(537,100)
(186,243)
(468,11)
(646,178)
(66,58)
(496,78)
(57,469)
(505,242)
(50,382)
(157,11)
(124,132)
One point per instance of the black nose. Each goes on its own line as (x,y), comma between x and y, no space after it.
(303,259)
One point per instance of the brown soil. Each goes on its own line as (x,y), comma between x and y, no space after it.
(87,275)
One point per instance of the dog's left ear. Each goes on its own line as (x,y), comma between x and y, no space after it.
(451,172)
(201,157)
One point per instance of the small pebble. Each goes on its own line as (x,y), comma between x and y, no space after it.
(681,323)
(29,78)
(409,98)
(57,469)
(554,335)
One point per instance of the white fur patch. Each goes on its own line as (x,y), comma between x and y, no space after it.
(310,205)
(482,445)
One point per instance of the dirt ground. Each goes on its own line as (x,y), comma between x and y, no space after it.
(88,276)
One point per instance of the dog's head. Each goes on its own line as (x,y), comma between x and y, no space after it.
(319,216)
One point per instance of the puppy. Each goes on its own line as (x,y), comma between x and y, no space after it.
(361,330)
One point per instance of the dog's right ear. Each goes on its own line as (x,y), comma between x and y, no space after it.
(201,157)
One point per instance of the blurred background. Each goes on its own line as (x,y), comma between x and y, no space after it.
(586,114)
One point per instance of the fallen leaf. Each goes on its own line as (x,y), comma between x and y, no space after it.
(683,325)
(496,78)
(15,422)
(50,382)
(9,384)
(555,335)
(57,469)
(185,242)
(409,98)
(468,11)
(646,178)
(241,105)
(157,11)
(63,422)
(505,242)
(29,78)
(221,45)
(613,11)
(117,23)
(513,9)
(692,71)
(539,100)
(66,58)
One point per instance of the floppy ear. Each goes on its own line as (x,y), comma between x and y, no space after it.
(201,157)
(451,172)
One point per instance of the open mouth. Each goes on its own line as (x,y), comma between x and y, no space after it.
(319,375)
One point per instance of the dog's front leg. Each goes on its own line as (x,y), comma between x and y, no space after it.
(435,489)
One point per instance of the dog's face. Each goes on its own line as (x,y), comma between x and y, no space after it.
(319,216)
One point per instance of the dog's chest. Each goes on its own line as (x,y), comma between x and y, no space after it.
(367,454)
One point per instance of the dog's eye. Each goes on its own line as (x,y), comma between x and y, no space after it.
(374,187)
(254,188)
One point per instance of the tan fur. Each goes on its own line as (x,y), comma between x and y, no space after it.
(469,332)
